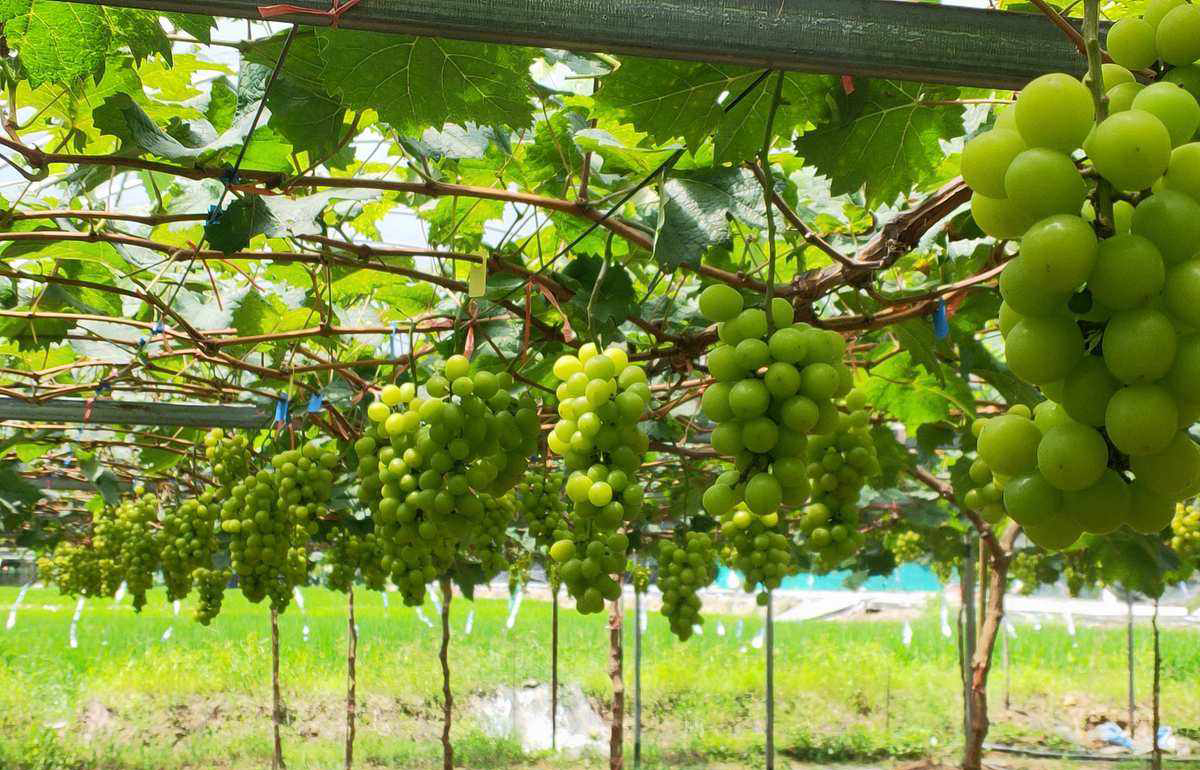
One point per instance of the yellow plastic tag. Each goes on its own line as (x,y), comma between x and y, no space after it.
(477,283)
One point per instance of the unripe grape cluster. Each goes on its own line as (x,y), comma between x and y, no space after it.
(684,569)
(1185,538)
(187,541)
(1033,568)
(757,546)
(540,496)
(1101,307)
(210,591)
(772,390)
(905,546)
(431,466)
(839,465)
(350,555)
(601,399)
(135,529)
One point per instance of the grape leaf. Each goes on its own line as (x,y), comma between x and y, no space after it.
(58,42)
(197,25)
(883,137)
(414,82)
(673,99)
(694,212)
(309,119)
(245,218)
(123,118)
(140,31)
(303,64)
(599,306)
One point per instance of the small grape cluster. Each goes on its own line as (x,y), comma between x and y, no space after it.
(639,575)
(135,529)
(350,555)
(757,546)
(1185,540)
(684,569)
(433,466)
(602,397)
(1033,567)
(839,465)
(540,496)
(905,546)
(773,389)
(210,592)
(1102,303)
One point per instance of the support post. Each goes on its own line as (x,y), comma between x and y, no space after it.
(616,629)
(637,680)
(967,613)
(770,653)
(351,676)
(447,695)
(277,762)
(554,667)
(1129,659)
(1156,750)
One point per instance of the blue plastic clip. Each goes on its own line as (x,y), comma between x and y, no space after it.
(230,176)
(103,386)
(214,215)
(314,402)
(281,408)
(941,325)
(159,328)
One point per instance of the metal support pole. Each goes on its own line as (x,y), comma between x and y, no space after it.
(770,647)
(637,680)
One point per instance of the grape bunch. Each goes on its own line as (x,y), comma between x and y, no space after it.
(757,546)
(134,529)
(639,575)
(905,546)
(684,568)
(350,555)
(1100,307)
(432,467)
(210,592)
(229,457)
(839,464)
(772,390)
(601,399)
(1185,540)
(540,496)
(1034,568)
(79,569)
(187,541)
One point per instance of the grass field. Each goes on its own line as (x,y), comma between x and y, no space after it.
(846,691)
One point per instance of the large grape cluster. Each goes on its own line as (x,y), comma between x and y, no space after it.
(432,466)
(601,399)
(839,465)
(684,568)
(1102,303)
(540,496)
(352,555)
(135,530)
(772,389)
(757,546)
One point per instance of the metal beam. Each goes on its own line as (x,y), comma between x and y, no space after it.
(876,38)
(104,412)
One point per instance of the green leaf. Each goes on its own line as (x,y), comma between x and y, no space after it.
(673,99)
(121,117)
(619,149)
(301,216)
(303,65)
(103,479)
(245,218)
(222,104)
(916,336)
(694,212)
(414,82)
(914,397)
(882,138)
(58,42)
(197,25)
(309,119)
(598,306)
(139,31)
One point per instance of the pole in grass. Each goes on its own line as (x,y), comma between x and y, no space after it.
(277,762)
(1129,655)
(554,666)
(770,647)
(637,679)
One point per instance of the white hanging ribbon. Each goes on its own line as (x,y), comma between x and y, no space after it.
(906,634)
(643,618)
(514,606)
(437,603)
(697,629)
(720,628)
(120,594)
(421,614)
(740,628)
(945,614)
(12,613)
(470,622)
(1070,623)
(1010,629)
(74,640)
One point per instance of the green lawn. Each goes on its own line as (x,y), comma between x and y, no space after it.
(846,691)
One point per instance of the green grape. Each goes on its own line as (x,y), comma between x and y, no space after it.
(1055,111)
(1025,294)
(1060,252)
(1072,456)
(906,546)
(1142,419)
(187,542)
(1171,221)
(1054,534)
(1032,568)
(1029,498)
(1177,35)
(1128,272)
(1185,370)
(1009,444)
(1113,74)
(1139,345)
(1156,10)
(1183,172)
(1087,390)
(986,159)
(1000,217)
(1171,472)
(540,499)
(210,588)
(1044,183)
(1043,349)
(1130,149)
(1185,536)
(1183,292)
(1175,107)
(1047,414)
(718,302)
(1102,507)
(685,567)
(1131,43)
(1121,96)
(1008,318)
(1149,512)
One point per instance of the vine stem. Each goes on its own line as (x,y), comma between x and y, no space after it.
(351,678)
(447,694)
(1094,80)
(768,184)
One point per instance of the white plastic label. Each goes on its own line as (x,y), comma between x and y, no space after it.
(906,634)
(12,613)
(470,622)
(514,606)
(74,641)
